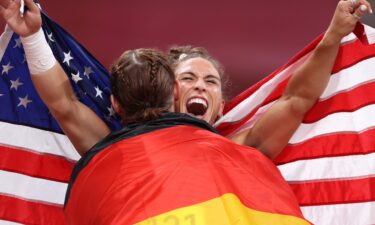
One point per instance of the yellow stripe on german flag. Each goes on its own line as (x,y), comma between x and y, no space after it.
(195,178)
(224,210)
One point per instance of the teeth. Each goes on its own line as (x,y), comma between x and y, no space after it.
(198,100)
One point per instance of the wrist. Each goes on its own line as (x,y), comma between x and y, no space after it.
(330,38)
(38,54)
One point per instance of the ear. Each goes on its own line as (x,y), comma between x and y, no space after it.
(116,105)
(176,91)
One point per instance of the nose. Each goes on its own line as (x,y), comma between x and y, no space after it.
(200,85)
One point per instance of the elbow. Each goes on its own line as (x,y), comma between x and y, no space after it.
(270,153)
(263,146)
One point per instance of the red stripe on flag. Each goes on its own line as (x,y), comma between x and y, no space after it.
(34,164)
(349,55)
(347,101)
(343,102)
(353,190)
(352,53)
(27,212)
(228,128)
(347,61)
(337,144)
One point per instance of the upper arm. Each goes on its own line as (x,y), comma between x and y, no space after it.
(271,133)
(82,126)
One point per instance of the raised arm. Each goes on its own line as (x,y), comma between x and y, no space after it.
(82,126)
(273,130)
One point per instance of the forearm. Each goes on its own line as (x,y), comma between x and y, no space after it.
(83,127)
(309,81)
(47,75)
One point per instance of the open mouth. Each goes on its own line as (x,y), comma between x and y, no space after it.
(197,106)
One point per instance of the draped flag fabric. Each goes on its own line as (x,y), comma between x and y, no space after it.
(329,163)
(191,177)
(330,160)
(36,159)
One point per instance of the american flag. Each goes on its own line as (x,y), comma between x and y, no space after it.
(36,158)
(330,160)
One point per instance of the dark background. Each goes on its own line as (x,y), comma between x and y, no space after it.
(250,38)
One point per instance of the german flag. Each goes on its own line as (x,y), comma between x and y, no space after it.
(181,175)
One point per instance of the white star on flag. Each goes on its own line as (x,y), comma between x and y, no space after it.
(98,92)
(27,181)
(87,72)
(76,77)
(15,84)
(50,37)
(24,101)
(6,68)
(111,111)
(67,58)
(18,43)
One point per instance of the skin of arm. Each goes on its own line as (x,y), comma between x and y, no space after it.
(82,126)
(272,131)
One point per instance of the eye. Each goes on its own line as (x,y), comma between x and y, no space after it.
(187,78)
(212,81)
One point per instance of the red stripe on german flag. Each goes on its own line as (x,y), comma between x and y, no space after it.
(145,177)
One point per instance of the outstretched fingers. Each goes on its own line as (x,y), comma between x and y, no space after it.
(13,5)
(9,10)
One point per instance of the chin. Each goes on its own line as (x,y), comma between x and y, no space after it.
(208,120)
